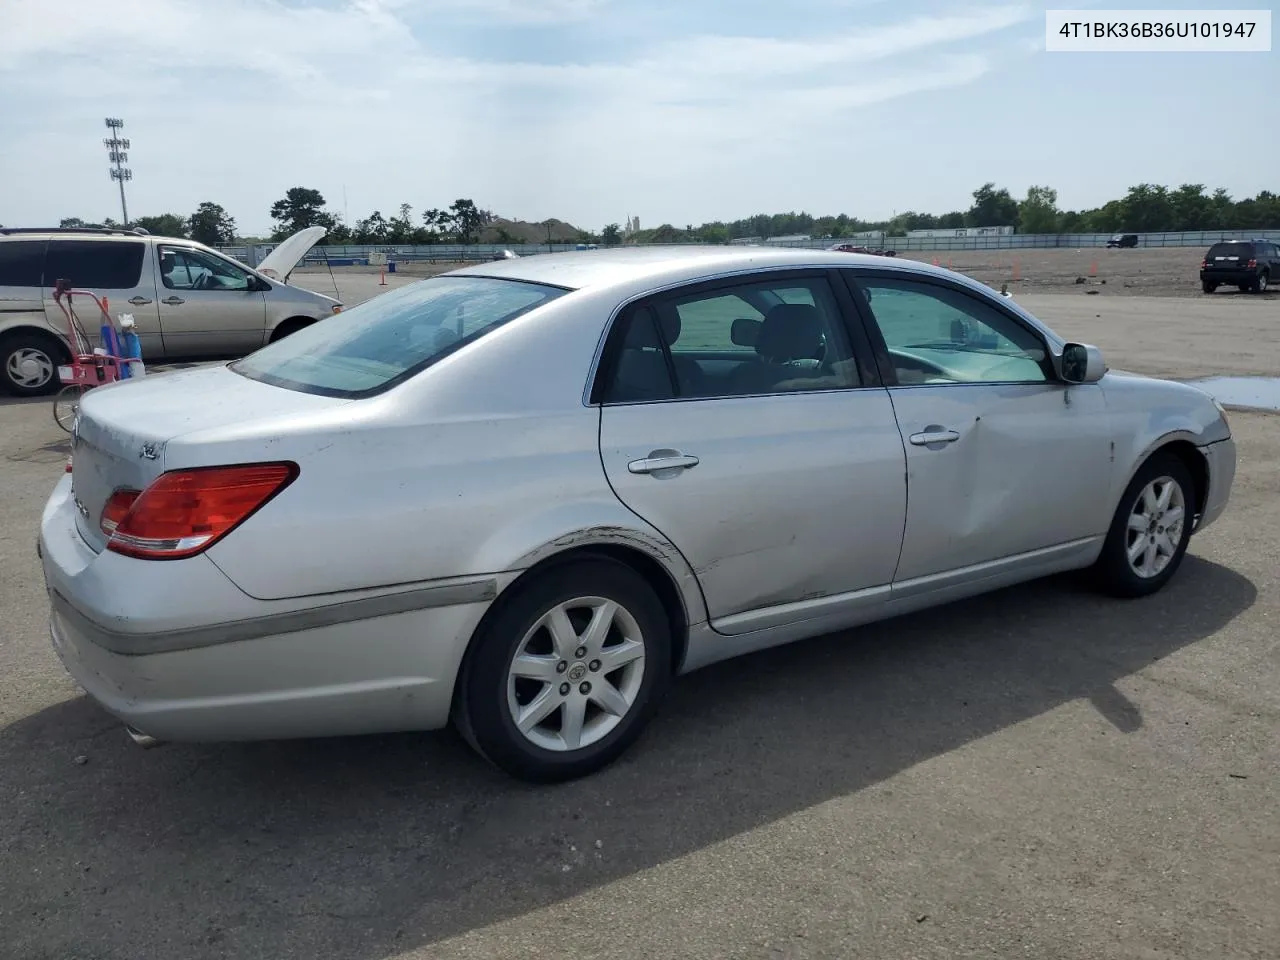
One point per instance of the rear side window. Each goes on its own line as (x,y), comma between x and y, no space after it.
(1230,251)
(95,264)
(21,263)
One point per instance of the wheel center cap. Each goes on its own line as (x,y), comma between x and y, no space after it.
(577,672)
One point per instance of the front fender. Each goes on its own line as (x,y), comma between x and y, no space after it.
(1148,414)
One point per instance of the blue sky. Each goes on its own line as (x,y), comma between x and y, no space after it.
(590,110)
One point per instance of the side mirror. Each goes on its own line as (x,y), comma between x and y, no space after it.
(744,331)
(1082,363)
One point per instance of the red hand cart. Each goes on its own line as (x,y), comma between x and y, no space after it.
(88,368)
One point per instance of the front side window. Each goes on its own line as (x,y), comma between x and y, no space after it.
(748,339)
(95,264)
(185,269)
(384,341)
(937,334)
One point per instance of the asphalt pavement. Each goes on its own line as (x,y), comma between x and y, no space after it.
(1041,772)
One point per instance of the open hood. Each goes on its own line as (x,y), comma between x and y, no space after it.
(279,263)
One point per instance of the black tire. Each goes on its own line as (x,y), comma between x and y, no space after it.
(21,347)
(286,327)
(482,712)
(1260,283)
(1113,573)
(1208,287)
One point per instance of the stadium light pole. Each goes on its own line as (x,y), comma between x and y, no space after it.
(116,147)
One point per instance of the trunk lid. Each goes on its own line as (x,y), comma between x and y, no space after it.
(119,437)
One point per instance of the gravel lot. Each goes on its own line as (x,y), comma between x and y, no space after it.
(1038,773)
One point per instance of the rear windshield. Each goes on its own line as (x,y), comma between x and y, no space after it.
(386,340)
(1242,251)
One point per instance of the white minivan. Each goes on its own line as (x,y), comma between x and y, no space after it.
(188,300)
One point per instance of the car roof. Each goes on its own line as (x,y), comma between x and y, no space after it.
(69,233)
(675,263)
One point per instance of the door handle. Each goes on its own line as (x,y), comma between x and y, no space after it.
(652,464)
(139,301)
(172,301)
(934,436)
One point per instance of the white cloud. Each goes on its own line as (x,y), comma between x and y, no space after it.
(240,99)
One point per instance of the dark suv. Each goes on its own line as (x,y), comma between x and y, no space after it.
(1249,264)
(1123,240)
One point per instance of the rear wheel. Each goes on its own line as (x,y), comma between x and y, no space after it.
(1208,287)
(29,363)
(1261,283)
(1150,530)
(565,675)
(67,403)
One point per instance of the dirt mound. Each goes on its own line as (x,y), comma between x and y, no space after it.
(520,231)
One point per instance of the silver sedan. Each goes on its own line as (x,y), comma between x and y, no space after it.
(523,496)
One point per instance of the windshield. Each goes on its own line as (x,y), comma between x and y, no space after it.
(386,340)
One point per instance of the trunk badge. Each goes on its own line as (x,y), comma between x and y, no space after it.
(81,508)
(148,451)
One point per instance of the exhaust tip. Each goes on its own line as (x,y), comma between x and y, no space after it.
(141,739)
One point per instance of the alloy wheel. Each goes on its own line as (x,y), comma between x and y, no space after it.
(576,674)
(1155,527)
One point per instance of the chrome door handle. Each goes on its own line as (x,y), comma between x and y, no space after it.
(934,436)
(654,464)
(172,301)
(139,301)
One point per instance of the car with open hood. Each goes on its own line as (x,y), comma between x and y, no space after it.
(188,300)
(523,496)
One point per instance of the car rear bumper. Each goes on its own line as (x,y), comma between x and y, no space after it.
(123,630)
(1221,460)
(1230,275)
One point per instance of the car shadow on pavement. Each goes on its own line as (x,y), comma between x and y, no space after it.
(363,848)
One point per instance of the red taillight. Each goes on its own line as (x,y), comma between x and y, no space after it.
(1203,264)
(116,509)
(1251,264)
(186,511)
(68,470)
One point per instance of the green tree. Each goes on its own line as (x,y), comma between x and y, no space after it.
(611,235)
(301,207)
(372,229)
(163,225)
(992,208)
(1038,213)
(211,225)
(466,219)
(436,224)
(402,229)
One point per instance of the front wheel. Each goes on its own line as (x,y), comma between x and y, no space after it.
(1261,283)
(568,671)
(67,403)
(1150,530)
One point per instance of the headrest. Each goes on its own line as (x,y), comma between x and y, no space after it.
(791,331)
